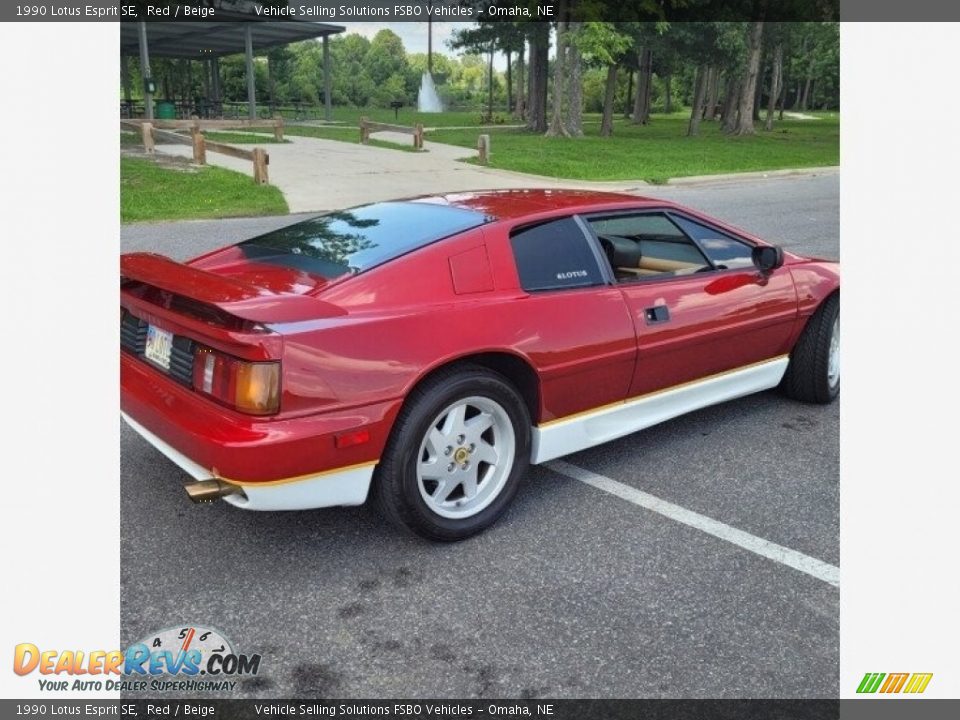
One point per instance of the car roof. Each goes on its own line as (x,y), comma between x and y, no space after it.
(518,203)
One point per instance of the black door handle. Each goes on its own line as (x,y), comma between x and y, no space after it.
(656,314)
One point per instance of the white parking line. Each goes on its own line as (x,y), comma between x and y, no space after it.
(785,556)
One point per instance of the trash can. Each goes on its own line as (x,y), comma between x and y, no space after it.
(166,110)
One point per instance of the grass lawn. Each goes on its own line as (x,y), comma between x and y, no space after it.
(409,116)
(240,138)
(658,151)
(152,191)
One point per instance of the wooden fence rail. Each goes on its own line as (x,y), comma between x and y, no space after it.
(367,126)
(200,145)
(276,124)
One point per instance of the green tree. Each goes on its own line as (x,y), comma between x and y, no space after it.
(386,57)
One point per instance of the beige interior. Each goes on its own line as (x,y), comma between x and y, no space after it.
(654,266)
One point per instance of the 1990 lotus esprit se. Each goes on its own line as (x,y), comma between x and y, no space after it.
(426,350)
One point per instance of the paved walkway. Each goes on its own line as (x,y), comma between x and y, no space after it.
(316,175)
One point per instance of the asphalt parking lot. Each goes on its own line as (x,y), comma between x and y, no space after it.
(578,591)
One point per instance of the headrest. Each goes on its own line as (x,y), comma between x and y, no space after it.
(621,251)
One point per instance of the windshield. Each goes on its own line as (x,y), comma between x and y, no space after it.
(351,241)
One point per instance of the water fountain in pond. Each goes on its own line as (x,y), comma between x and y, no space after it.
(427,98)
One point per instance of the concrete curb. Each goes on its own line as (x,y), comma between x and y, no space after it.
(628,185)
(732,177)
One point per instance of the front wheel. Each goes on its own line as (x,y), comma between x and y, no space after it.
(456,455)
(813,374)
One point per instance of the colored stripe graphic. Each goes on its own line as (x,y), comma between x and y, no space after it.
(918,682)
(894,682)
(870,682)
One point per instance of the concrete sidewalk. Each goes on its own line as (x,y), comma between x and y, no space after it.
(317,175)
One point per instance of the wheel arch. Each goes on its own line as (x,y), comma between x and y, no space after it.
(514,368)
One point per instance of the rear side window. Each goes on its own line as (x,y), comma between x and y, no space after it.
(351,241)
(722,249)
(554,256)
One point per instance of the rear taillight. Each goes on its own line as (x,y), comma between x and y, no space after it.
(250,387)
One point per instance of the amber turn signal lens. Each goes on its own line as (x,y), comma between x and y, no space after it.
(250,387)
(258,388)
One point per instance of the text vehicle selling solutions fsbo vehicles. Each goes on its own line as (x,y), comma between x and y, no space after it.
(425,351)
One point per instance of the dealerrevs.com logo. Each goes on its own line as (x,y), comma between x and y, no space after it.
(911,683)
(178,659)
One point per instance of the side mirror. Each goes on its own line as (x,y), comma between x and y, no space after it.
(767,258)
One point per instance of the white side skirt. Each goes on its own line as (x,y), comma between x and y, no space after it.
(609,423)
(346,486)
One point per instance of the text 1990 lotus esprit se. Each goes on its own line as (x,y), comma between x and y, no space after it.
(425,351)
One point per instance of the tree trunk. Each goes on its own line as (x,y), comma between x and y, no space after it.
(629,104)
(641,103)
(808,87)
(808,84)
(668,94)
(637,113)
(749,83)
(574,122)
(795,103)
(543,76)
(776,81)
(532,89)
(647,86)
(537,84)
(509,83)
(520,106)
(758,93)
(557,127)
(609,93)
(696,110)
(783,91)
(490,88)
(731,101)
(713,89)
(717,81)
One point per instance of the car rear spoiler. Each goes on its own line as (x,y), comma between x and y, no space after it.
(229,295)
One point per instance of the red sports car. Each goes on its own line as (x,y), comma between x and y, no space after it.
(424,351)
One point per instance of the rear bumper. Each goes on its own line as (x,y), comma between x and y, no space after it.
(281,464)
(345,486)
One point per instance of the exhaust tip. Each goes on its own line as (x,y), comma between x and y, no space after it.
(203,491)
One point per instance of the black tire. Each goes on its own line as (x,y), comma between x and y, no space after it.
(396,488)
(808,377)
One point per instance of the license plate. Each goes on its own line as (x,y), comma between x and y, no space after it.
(159,344)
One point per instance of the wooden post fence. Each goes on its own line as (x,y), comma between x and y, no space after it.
(367,127)
(483,149)
(200,145)
(146,132)
(260,162)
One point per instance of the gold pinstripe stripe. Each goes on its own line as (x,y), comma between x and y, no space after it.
(297,478)
(629,400)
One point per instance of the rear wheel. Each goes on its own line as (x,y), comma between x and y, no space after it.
(813,374)
(456,455)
